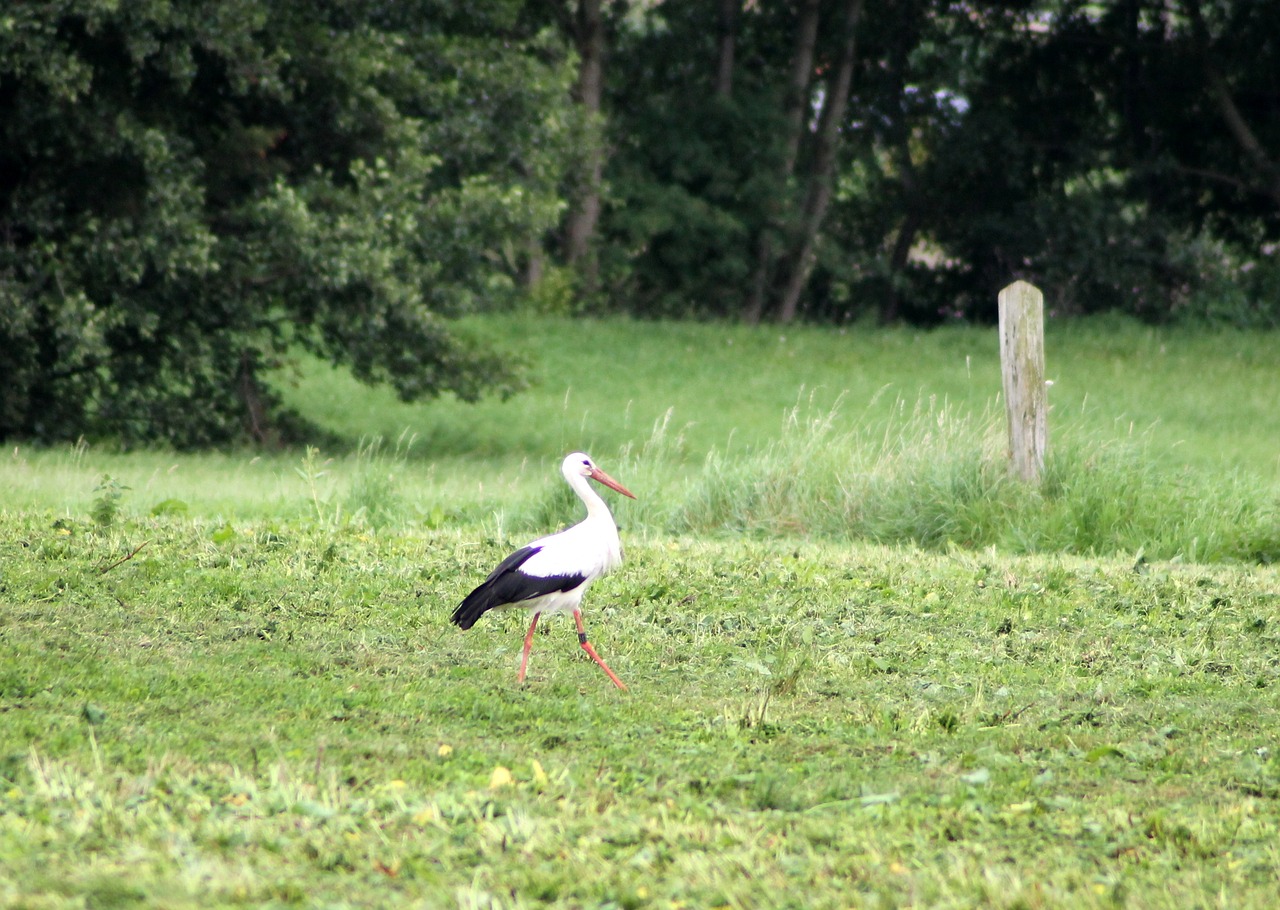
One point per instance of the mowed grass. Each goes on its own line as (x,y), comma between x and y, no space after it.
(866,670)
(285,717)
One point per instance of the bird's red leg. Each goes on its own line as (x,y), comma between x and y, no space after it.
(586,646)
(528,644)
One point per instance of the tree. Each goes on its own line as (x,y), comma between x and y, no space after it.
(796,103)
(696,127)
(1120,155)
(1151,158)
(835,101)
(727,40)
(189,191)
(722,181)
(584,213)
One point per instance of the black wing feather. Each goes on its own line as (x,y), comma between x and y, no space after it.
(508,585)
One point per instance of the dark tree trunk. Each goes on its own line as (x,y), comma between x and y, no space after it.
(728,38)
(257,422)
(585,212)
(891,305)
(796,105)
(912,204)
(798,85)
(1131,91)
(534,263)
(821,178)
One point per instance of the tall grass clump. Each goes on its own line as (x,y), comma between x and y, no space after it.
(936,476)
(374,497)
(1104,496)
(363,489)
(916,478)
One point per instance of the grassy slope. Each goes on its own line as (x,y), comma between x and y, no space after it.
(1203,399)
(288,718)
(1161,442)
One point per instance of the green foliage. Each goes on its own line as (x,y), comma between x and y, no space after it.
(1230,288)
(195,190)
(1082,148)
(693,176)
(554,293)
(685,213)
(106,505)
(312,472)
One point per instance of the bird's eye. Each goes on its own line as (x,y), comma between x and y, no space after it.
(586,462)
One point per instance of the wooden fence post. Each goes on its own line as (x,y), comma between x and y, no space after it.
(1022,366)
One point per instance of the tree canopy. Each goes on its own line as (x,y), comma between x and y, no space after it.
(190,191)
(1120,154)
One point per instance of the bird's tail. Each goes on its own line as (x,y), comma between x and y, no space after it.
(475,605)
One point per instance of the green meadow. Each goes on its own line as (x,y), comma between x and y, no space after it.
(866,669)
(1161,441)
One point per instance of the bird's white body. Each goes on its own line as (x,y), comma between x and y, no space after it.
(590,548)
(552,573)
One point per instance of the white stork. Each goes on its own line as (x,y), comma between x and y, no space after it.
(551,574)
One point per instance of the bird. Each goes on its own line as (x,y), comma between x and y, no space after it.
(551,574)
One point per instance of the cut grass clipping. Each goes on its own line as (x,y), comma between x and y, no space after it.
(284,716)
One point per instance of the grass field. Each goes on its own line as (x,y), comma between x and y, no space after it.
(229,680)
(1165,442)
(1198,398)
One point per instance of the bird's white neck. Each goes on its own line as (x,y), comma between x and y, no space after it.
(597,508)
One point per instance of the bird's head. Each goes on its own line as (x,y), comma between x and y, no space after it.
(580,463)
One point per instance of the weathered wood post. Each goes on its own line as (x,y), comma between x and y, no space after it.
(1022,366)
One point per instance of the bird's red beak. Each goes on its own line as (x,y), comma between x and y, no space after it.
(601,477)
